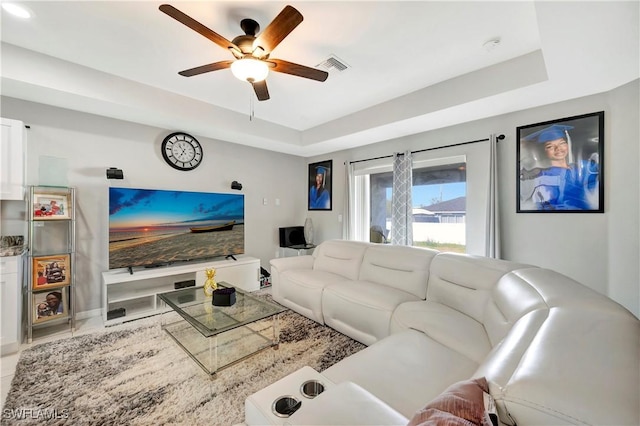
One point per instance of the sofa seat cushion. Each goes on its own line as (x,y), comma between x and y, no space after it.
(301,290)
(361,309)
(405,370)
(445,325)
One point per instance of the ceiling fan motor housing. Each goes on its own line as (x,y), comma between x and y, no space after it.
(245,43)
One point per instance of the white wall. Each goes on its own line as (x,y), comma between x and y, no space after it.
(89,144)
(600,250)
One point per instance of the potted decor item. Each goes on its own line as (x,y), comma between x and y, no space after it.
(210,284)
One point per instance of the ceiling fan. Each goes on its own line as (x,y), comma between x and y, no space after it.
(252,62)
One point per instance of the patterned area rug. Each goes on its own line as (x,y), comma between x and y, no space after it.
(135,374)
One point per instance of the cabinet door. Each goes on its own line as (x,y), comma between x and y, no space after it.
(11,160)
(9,304)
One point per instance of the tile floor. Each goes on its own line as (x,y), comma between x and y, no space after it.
(8,362)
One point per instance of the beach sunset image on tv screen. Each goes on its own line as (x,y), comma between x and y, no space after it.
(157,227)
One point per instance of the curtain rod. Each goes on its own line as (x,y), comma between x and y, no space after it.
(499,137)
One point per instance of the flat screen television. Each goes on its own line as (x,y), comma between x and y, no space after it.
(151,227)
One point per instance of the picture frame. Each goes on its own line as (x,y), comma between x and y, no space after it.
(50,305)
(50,206)
(319,186)
(51,271)
(560,165)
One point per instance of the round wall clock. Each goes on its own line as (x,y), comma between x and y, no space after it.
(182,151)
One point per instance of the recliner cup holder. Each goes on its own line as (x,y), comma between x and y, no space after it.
(284,406)
(311,388)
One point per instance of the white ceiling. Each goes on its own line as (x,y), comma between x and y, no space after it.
(413,65)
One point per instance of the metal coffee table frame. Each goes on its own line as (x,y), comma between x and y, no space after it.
(216,337)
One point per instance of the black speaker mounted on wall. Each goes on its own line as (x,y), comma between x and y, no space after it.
(292,236)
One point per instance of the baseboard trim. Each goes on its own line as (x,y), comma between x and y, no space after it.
(89,314)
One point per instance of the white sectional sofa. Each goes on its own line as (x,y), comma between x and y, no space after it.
(552,350)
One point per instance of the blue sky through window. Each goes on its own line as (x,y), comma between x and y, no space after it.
(425,195)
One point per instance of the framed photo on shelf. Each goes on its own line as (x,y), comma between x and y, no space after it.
(49,206)
(50,305)
(319,185)
(51,271)
(560,165)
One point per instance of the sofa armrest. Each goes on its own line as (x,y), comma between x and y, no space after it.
(346,404)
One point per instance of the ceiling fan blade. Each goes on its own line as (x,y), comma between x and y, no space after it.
(198,27)
(261,90)
(206,68)
(278,29)
(298,70)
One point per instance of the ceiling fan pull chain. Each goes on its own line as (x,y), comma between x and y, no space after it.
(252,111)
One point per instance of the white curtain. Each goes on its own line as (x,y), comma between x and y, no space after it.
(348,216)
(492,241)
(401,205)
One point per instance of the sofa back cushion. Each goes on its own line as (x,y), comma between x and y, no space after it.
(511,298)
(570,356)
(402,267)
(464,282)
(340,257)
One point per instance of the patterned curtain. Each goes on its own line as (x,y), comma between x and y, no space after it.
(492,241)
(401,205)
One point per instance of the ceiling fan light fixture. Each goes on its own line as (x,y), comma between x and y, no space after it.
(17,10)
(249,69)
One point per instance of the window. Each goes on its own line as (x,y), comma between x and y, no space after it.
(458,171)
(439,204)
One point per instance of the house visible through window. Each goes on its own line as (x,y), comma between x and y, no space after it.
(439,204)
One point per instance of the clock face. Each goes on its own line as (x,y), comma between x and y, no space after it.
(182,151)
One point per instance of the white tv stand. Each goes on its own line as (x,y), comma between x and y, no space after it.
(137,292)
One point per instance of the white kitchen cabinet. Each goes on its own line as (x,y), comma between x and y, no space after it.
(10,304)
(12,154)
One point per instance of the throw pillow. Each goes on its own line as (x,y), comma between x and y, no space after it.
(460,404)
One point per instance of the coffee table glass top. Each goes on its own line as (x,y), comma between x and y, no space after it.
(196,308)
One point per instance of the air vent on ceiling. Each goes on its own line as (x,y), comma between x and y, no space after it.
(333,65)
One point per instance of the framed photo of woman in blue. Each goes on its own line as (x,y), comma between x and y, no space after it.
(319,185)
(560,165)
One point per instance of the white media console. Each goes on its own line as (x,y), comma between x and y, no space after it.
(137,292)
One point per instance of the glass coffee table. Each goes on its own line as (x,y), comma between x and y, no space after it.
(219,336)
